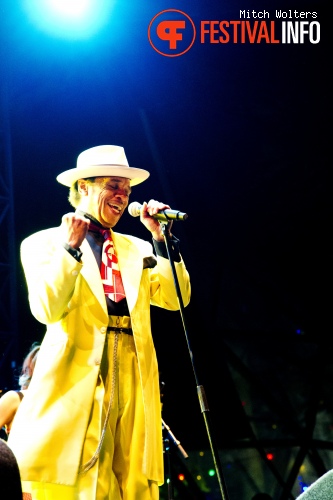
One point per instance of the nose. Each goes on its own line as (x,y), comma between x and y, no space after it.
(122,194)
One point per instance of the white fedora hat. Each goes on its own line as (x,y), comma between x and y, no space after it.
(102,161)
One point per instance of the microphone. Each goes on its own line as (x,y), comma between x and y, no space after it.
(134,209)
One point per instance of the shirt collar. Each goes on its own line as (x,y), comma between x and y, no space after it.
(90,217)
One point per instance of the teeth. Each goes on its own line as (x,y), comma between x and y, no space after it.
(115,207)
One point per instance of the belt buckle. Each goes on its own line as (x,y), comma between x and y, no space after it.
(119,322)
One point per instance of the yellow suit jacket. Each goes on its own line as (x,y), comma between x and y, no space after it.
(67,296)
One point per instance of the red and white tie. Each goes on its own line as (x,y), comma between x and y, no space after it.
(110,274)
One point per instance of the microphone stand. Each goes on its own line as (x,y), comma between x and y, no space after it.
(176,442)
(200,389)
(168,475)
(174,439)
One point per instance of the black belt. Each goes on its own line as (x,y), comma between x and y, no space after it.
(115,329)
(120,324)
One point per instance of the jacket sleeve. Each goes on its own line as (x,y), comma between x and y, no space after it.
(163,288)
(51,274)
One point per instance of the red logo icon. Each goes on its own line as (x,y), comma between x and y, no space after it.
(171,33)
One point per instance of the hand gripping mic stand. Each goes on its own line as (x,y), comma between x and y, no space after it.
(200,388)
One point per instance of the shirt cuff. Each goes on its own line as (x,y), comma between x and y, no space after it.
(76,253)
(161,250)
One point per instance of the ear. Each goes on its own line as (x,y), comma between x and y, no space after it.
(82,187)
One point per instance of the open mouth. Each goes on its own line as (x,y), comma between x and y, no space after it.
(115,208)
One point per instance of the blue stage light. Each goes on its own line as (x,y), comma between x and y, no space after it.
(69,19)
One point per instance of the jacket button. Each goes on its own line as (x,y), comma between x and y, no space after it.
(103,329)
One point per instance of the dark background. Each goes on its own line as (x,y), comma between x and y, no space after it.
(236,136)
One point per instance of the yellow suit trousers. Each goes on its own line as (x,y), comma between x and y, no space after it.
(117,474)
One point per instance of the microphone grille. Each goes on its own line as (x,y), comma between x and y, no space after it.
(134,208)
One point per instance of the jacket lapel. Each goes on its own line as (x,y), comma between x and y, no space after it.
(128,259)
(91,273)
